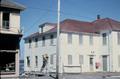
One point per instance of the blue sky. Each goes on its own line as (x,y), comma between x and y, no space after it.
(40,11)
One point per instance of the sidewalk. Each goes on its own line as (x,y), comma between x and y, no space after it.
(98,75)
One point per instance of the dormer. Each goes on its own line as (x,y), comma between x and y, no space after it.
(45,27)
(10,17)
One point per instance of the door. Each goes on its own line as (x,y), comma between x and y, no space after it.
(91,64)
(104,59)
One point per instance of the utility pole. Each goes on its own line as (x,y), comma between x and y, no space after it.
(58,46)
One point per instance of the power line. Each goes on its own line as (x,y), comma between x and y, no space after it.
(62,12)
(31,26)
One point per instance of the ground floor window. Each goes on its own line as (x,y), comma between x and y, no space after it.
(81,59)
(51,59)
(28,61)
(36,61)
(118,60)
(69,59)
(7,62)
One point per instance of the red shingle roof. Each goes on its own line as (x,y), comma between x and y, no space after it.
(106,24)
(76,26)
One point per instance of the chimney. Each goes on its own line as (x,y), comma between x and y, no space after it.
(98,17)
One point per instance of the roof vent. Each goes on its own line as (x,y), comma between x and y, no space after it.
(98,16)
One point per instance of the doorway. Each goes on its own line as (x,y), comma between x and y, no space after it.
(104,59)
(91,63)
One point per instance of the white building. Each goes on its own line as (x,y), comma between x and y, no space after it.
(84,46)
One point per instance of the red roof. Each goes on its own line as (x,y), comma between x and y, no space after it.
(106,24)
(76,26)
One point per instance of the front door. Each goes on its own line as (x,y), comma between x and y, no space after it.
(91,64)
(104,59)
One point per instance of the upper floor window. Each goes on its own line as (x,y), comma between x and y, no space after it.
(36,61)
(69,38)
(28,61)
(91,39)
(36,42)
(51,39)
(30,43)
(118,37)
(43,41)
(69,59)
(104,35)
(6,20)
(80,38)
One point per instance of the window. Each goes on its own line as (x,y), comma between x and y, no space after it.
(118,38)
(6,20)
(28,61)
(81,59)
(51,40)
(30,43)
(51,59)
(104,38)
(69,38)
(69,59)
(36,42)
(80,38)
(36,61)
(118,60)
(91,39)
(43,41)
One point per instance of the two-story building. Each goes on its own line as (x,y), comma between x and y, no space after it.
(84,46)
(10,35)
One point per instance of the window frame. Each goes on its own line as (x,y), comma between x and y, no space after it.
(104,38)
(43,41)
(36,42)
(36,61)
(80,38)
(81,59)
(70,60)
(28,61)
(69,38)
(118,38)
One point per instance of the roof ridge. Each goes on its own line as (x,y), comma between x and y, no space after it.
(74,20)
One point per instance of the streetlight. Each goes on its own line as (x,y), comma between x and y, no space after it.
(57,47)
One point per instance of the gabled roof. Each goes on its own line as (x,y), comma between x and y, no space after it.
(11,4)
(70,25)
(76,26)
(106,24)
